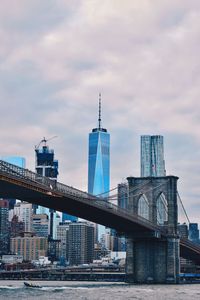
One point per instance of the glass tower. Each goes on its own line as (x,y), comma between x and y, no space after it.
(99,162)
(152,156)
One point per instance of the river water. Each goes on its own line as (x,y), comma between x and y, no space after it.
(97,291)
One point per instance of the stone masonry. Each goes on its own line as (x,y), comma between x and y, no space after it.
(152,259)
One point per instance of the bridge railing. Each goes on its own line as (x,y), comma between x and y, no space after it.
(27,175)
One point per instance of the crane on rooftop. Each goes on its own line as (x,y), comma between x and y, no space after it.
(44,140)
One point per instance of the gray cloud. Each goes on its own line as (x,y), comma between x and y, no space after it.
(55,56)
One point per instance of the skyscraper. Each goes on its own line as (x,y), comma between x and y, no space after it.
(194,232)
(25,214)
(99,162)
(81,243)
(4,229)
(47,166)
(99,159)
(152,156)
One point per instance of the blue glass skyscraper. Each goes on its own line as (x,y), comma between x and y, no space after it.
(99,162)
(99,159)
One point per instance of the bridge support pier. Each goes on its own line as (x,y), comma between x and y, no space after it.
(153,257)
(153,261)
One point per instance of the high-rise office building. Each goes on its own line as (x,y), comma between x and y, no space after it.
(99,159)
(194,232)
(99,163)
(41,225)
(152,156)
(183,230)
(63,236)
(29,246)
(4,228)
(16,226)
(25,214)
(122,195)
(47,166)
(81,243)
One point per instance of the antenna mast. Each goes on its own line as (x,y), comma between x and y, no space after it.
(99,120)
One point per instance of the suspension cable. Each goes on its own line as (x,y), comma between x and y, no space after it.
(183,207)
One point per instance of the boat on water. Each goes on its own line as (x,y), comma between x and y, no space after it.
(31,285)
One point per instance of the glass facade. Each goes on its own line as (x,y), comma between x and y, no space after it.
(15,160)
(194,232)
(152,156)
(99,162)
(67,217)
(122,199)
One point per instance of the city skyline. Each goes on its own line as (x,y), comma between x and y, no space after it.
(56,57)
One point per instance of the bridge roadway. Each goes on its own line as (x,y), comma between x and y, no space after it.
(19,183)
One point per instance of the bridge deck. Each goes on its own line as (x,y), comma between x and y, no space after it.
(27,186)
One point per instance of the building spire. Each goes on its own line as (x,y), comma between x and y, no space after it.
(99,120)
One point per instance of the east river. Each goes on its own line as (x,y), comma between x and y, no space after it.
(97,291)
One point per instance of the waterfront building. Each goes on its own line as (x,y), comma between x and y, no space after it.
(119,243)
(56,222)
(63,236)
(54,246)
(41,225)
(99,163)
(19,162)
(28,245)
(4,227)
(183,230)
(25,214)
(122,195)
(46,165)
(16,226)
(152,156)
(81,243)
(194,232)
(12,259)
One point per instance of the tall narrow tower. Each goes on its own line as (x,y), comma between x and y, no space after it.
(99,162)
(152,156)
(46,165)
(99,159)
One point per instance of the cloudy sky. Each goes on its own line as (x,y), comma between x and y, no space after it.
(142,55)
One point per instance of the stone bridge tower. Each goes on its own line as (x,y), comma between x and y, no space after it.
(153,257)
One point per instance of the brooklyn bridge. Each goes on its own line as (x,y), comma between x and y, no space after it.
(154,246)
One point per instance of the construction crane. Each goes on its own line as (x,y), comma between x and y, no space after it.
(44,140)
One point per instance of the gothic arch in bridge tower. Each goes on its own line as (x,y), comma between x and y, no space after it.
(161,209)
(143,207)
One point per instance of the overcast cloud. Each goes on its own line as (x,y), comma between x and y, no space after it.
(56,56)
